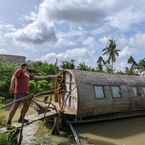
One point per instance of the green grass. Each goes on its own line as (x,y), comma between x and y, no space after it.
(2,116)
(3,139)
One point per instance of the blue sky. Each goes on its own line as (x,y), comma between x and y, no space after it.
(75,29)
(11,11)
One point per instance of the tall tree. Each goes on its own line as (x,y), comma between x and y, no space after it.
(132,61)
(111,52)
(100,63)
(141,65)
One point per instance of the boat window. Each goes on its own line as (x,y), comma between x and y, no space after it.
(143,90)
(135,91)
(116,92)
(99,91)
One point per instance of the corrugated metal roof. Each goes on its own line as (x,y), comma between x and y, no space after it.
(107,79)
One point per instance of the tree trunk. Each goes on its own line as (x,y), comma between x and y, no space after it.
(112,67)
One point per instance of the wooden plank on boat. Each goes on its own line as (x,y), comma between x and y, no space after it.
(76,137)
(34,118)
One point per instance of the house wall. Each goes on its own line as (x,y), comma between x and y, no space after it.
(13,58)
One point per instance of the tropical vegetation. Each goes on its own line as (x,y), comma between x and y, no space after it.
(104,63)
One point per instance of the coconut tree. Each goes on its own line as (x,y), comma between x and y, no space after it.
(132,61)
(100,63)
(141,65)
(133,64)
(111,52)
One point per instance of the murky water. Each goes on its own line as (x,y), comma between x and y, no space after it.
(119,132)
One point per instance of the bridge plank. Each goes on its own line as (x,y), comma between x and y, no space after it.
(32,119)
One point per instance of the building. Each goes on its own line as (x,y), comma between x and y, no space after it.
(13,58)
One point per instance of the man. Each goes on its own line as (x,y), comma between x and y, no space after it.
(19,87)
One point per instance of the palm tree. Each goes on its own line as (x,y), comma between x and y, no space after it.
(141,64)
(100,63)
(132,61)
(112,52)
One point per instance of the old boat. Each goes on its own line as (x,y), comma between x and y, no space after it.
(89,95)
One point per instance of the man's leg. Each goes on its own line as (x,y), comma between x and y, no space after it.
(25,109)
(12,112)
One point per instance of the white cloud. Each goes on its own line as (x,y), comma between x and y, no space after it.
(31,18)
(120,13)
(35,33)
(102,14)
(81,28)
(124,19)
(78,54)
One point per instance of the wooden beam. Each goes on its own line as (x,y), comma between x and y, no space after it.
(31,119)
(38,78)
(76,137)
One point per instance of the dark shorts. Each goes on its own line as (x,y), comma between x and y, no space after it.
(20,97)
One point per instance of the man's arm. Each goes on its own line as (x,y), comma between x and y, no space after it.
(12,84)
(17,74)
(44,77)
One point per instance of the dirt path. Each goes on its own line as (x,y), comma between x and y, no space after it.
(29,134)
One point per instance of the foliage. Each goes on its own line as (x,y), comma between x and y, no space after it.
(68,64)
(84,67)
(9,137)
(43,68)
(39,86)
(100,63)
(2,116)
(133,63)
(111,52)
(141,65)
(6,71)
(37,68)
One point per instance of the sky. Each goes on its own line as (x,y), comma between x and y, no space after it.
(72,29)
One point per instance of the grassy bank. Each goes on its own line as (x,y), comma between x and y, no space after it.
(2,116)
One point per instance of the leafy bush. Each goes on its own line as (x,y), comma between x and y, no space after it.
(38,68)
(9,137)
(6,71)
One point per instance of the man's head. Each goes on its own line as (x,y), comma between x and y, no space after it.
(24,66)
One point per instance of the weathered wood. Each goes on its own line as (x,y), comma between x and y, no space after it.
(44,93)
(32,119)
(76,137)
(55,128)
